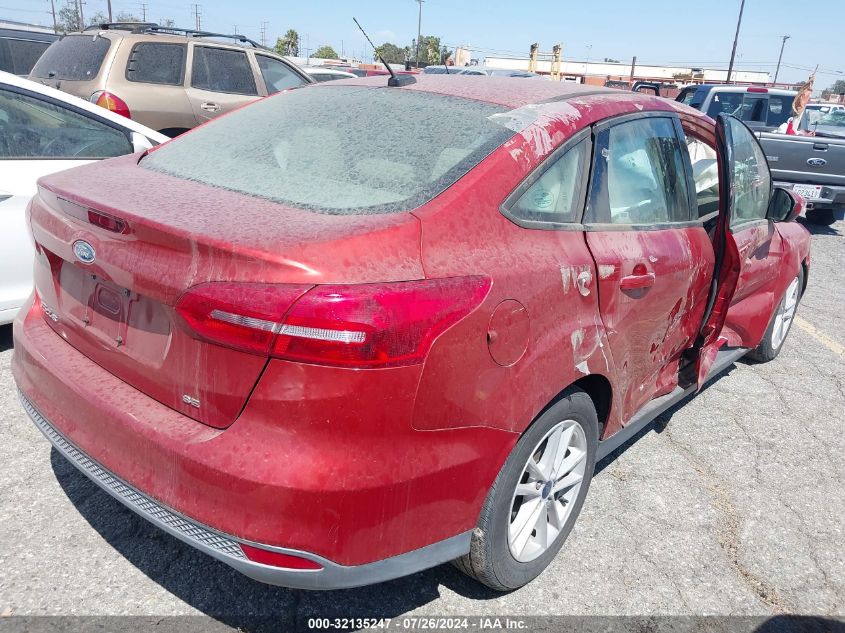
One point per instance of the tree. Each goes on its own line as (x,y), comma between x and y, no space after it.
(125,16)
(168,22)
(837,88)
(288,44)
(67,18)
(391,53)
(97,18)
(325,52)
(610,60)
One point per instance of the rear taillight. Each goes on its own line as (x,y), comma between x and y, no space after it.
(358,326)
(110,102)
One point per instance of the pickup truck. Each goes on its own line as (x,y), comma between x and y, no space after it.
(813,166)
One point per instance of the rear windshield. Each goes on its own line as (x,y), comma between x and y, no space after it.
(340,149)
(73,58)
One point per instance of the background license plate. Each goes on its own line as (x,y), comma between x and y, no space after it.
(808,191)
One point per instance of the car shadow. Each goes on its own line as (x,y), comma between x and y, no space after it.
(659,424)
(231,598)
(819,229)
(801,624)
(6,342)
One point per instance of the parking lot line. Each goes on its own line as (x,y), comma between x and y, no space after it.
(820,336)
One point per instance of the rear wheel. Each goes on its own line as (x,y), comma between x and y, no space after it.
(781,322)
(824,217)
(536,497)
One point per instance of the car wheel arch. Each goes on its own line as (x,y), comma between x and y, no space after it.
(597,387)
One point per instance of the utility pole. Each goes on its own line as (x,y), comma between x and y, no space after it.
(264,34)
(780,57)
(108,5)
(143,11)
(736,39)
(198,16)
(81,16)
(55,23)
(419,31)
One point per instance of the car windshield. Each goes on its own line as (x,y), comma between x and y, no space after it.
(340,149)
(834,118)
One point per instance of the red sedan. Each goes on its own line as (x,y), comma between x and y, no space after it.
(353,331)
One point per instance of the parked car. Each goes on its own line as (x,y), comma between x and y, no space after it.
(21,48)
(498,72)
(443,70)
(170,80)
(762,109)
(358,72)
(812,166)
(43,131)
(323,73)
(522,276)
(823,120)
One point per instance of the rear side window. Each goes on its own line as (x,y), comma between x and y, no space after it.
(780,109)
(156,63)
(552,195)
(73,58)
(341,149)
(222,70)
(34,128)
(727,102)
(278,76)
(638,174)
(19,56)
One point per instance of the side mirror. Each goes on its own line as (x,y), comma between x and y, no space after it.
(785,205)
(140,142)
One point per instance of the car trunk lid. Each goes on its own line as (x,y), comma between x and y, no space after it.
(117,246)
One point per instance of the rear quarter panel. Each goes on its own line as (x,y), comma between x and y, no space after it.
(464,233)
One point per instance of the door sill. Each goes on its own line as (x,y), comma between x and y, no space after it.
(655,407)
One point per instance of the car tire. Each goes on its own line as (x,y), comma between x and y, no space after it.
(774,338)
(825,217)
(492,559)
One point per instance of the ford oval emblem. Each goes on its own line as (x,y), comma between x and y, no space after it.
(84,251)
(816,162)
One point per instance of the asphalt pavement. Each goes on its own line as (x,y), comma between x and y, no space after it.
(731,503)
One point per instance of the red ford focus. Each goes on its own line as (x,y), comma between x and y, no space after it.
(354,331)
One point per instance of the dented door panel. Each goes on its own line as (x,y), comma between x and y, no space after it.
(649,328)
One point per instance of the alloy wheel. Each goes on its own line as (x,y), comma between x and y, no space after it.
(785,314)
(546,491)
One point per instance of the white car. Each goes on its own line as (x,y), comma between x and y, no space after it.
(43,131)
(323,73)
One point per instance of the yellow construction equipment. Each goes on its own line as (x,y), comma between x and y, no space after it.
(553,57)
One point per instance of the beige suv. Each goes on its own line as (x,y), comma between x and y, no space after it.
(165,78)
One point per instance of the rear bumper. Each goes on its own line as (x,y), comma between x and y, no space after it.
(354,488)
(226,548)
(832,197)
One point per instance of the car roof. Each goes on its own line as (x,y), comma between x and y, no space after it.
(8,79)
(510,92)
(760,89)
(36,36)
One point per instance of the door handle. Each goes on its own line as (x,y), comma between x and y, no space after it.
(637,281)
(210,107)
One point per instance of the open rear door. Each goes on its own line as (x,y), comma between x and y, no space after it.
(727,267)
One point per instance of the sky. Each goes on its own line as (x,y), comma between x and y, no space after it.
(696,34)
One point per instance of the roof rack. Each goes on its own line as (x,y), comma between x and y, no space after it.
(152,27)
(193,33)
(134,27)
